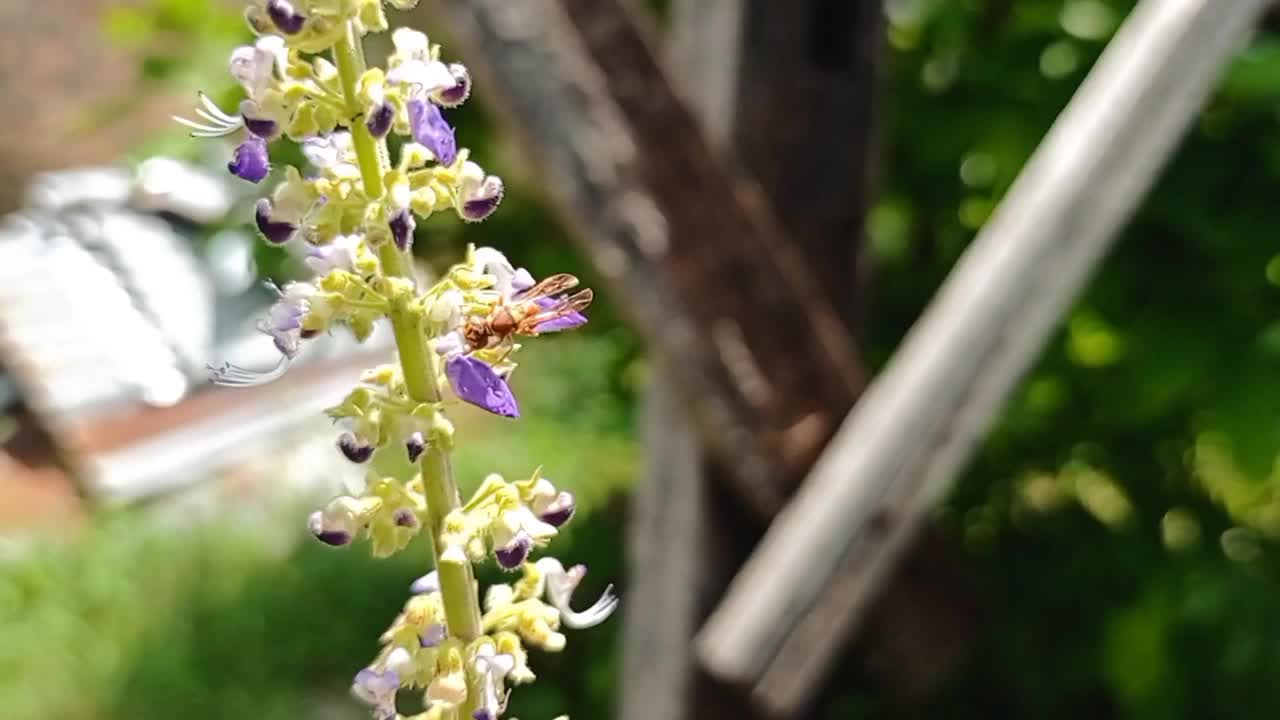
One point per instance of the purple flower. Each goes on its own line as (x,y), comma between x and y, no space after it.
(492,668)
(378,690)
(564,322)
(379,121)
(283,324)
(339,254)
(402,226)
(250,161)
(356,451)
(284,320)
(254,67)
(288,20)
(276,232)
(415,446)
(478,194)
(432,130)
(432,635)
(513,554)
(475,382)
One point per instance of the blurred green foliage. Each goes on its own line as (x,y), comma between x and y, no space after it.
(156,615)
(1120,522)
(143,619)
(1120,518)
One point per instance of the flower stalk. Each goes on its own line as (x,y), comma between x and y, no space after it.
(348,56)
(457,580)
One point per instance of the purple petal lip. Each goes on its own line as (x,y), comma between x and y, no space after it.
(379,123)
(274,231)
(461,90)
(476,210)
(475,382)
(336,538)
(288,20)
(514,555)
(560,511)
(415,446)
(405,518)
(482,714)
(402,226)
(431,129)
(356,451)
(250,161)
(265,129)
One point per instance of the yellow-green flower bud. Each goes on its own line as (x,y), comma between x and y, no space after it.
(509,644)
(370,17)
(424,201)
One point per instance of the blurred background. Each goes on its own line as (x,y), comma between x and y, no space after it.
(1116,533)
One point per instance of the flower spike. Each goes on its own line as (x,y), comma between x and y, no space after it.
(380,157)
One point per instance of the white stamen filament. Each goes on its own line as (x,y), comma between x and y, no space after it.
(230,375)
(217,122)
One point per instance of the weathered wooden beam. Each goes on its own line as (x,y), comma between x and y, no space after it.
(919,423)
(704,49)
(761,358)
(804,124)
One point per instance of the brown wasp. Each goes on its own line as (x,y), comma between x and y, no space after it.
(527,310)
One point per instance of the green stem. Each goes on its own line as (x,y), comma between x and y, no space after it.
(421,375)
(348,55)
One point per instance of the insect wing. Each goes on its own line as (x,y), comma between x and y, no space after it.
(557,315)
(547,287)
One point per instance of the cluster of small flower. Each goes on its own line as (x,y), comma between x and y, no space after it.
(419,652)
(356,213)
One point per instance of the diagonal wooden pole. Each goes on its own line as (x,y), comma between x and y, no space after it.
(919,423)
(710,278)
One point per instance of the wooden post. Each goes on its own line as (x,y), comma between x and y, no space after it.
(916,427)
(676,548)
(804,124)
(666,551)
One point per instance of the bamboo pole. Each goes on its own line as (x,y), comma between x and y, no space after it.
(921,420)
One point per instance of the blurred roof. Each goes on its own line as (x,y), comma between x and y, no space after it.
(108,318)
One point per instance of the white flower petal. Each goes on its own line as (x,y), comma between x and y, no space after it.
(428,583)
(400,661)
(498,596)
(410,43)
(423,76)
